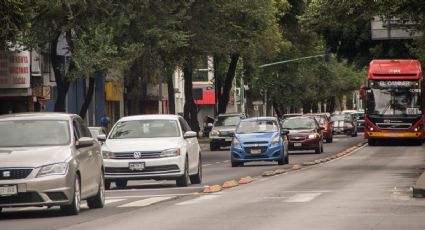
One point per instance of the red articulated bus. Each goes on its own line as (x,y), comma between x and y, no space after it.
(394,101)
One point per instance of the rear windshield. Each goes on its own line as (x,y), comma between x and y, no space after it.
(23,133)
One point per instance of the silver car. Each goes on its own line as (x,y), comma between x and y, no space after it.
(49,159)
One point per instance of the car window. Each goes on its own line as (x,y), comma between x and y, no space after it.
(185,126)
(84,131)
(145,129)
(227,121)
(23,133)
(255,126)
(299,123)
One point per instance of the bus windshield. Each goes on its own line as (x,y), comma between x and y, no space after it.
(394,101)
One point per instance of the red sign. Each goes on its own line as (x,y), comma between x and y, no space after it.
(15,69)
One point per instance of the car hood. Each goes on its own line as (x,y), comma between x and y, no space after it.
(300,132)
(255,137)
(141,144)
(33,156)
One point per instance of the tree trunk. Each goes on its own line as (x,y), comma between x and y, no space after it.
(223,100)
(88,97)
(62,84)
(277,109)
(190,110)
(171,96)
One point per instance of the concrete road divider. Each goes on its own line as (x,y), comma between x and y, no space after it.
(269,173)
(245,180)
(230,184)
(280,171)
(212,189)
(317,161)
(296,167)
(309,163)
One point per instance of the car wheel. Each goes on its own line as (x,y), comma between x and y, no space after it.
(121,183)
(329,140)
(183,180)
(214,147)
(98,201)
(108,184)
(371,142)
(237,164)
(197,178)
(317,149)
(74,207)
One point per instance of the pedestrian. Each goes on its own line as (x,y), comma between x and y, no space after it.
(105,121)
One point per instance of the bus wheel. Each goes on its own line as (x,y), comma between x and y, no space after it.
(371,142)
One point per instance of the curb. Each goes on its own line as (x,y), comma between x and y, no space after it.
(212,189)
(230,184)
(245,180)
(269,173)
(296,167)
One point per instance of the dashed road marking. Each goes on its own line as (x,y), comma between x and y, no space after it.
(302,197)
(199,199)
(146,202)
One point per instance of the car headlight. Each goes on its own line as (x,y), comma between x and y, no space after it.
(107,154)
(312,136)
(236,143)
(170,153)
(215,132)
(53,169)
(275,141)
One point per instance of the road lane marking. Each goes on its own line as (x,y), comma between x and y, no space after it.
(154,196)
(199,199)
(151,189)
(302,197)
(146,202)
(110,201)
(205,165)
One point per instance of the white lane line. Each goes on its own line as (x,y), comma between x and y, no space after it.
(198,199)
(302,197)
(153,196)
(226,161)
(205,165)
(151,189)
(146,202)
(110,201)
(218,162)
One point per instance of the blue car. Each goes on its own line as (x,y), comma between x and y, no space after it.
(259,139)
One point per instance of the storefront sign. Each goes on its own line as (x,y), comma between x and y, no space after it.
(15,69)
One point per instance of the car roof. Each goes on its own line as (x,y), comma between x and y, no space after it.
(261,119)
(38,116)
(151,117)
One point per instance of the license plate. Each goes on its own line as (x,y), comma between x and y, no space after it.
(136,166)
(255,151)
(228,139)
(297,144)
(9,190)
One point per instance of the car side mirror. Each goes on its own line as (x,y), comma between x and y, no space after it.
(189,134)
(101,137)
(284,132)
(84,142)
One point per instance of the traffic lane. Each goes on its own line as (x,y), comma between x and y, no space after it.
(217,168)
(367,189)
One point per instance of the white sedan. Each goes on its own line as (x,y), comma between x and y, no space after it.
(151,147)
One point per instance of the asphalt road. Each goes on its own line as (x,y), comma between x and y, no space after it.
(368,189)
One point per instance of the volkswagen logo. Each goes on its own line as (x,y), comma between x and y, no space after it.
(137,155)
(6,173)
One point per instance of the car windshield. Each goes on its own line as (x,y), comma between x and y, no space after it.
(23,133)
(145,129)
(255,126)
(320,119)
(227,121)
(299,123)
(395,98)
(341,117)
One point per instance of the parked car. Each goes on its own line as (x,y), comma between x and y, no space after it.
(49,159)
(223,130)
(151,147)
(289,115)
(305,133)
(259,139)
(324,122)
(96,131)
(344,124)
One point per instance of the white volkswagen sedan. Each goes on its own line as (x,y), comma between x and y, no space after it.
(151,147)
